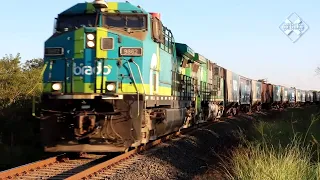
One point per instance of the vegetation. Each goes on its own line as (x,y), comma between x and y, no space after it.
(285,148)
(19,83)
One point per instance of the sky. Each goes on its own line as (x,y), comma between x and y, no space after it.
(242,36)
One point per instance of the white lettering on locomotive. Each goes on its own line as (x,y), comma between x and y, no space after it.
(89,70)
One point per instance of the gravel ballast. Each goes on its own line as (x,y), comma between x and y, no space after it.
(185,157)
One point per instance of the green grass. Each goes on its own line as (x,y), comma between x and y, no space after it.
(285,148)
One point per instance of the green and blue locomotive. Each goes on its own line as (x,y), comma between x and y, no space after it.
(115,78)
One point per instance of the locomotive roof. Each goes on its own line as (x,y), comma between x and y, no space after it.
(87,7)
(185,50)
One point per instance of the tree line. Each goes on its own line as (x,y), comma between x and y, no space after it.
(19,130)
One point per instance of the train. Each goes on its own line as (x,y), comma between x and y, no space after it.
(115,79)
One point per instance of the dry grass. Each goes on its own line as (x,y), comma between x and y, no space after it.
(278,150)
(262,161)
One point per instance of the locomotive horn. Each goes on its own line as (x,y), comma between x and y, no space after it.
(99,4)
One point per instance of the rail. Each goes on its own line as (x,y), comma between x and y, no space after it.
(93,171)
(81,168)
(11,173)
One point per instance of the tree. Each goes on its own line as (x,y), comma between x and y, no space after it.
(33,64)
(18,81)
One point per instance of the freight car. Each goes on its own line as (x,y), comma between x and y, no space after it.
(115,78)
(245,94)
(309,97)
(284,97)
(276,97)
(316,97)
(292,97)
(266,95)
(256,96)
(303,97)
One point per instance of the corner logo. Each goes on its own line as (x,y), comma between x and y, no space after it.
(89,70)
(293,27)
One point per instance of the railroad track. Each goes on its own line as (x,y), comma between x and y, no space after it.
(59,167)
(89,166)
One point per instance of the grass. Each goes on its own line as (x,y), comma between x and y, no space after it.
(281,149)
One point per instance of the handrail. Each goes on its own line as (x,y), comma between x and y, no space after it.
(134,81)
(140,74)
(135,84)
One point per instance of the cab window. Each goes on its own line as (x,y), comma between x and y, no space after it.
(134,21)
(75,21)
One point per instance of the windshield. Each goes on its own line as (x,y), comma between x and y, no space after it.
(75,21)
(125,21)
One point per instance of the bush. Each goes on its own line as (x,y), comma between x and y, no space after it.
(279,149)
(264,161)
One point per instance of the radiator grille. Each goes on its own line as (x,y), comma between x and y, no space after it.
(107,43)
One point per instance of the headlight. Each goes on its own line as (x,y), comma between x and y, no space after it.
(90,44)
(56,86)
(111,87)
(90,37)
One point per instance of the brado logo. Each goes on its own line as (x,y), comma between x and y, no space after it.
(89,70)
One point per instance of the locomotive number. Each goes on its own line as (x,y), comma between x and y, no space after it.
(53,51)
(130,51)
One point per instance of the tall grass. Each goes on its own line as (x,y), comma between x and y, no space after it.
(278,150)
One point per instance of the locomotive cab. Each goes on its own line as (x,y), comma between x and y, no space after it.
(94,67)
(102,85)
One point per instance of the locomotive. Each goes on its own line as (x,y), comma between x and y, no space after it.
(115,78)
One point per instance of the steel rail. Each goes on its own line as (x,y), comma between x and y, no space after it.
(34,169)
(94,170)
(14,172)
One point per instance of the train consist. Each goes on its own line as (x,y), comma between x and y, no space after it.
(115,78)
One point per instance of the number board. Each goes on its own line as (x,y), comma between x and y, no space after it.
(57,51)
(130,51)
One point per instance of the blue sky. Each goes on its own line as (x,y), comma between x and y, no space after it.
(242,36)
